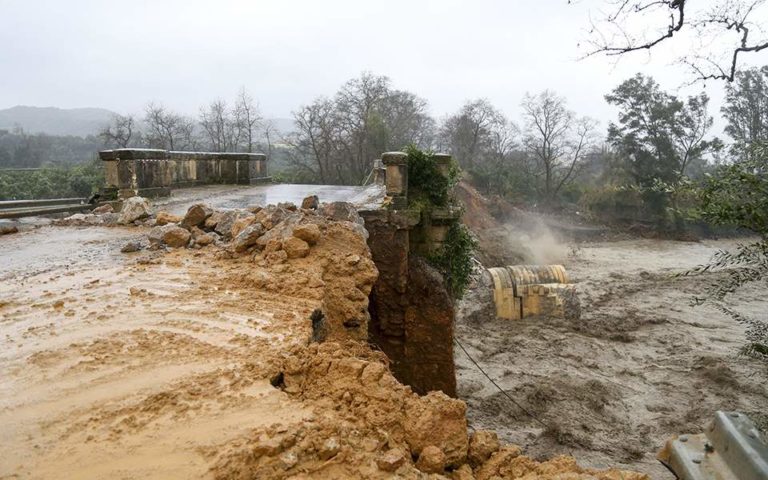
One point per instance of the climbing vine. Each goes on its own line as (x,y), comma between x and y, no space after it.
(426,184)
(454,259)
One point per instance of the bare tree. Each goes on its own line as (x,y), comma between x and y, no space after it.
(337,139)
(315,141)
(168,130)
(246,118)
(119,132)
(556,139)
(220,127)
(473,133)
(726,29)
(270,132)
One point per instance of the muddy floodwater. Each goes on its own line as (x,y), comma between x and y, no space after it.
(640,365)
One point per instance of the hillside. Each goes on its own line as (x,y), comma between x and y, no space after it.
(55,121)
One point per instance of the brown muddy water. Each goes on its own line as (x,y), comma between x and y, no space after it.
(640,365)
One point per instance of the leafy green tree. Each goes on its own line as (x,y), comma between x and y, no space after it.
(737,195)
(746,109)
(658,135)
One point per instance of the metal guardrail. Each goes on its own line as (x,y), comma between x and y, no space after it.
(732,448)
(31,208)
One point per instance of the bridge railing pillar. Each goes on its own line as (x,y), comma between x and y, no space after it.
(396,182)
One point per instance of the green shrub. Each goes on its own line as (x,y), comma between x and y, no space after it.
(425,181)
(52,182)
(454,259)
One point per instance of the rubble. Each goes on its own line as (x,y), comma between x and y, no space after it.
(310,233)
(196,216)
(164,218)
(134,208)
(310,203)
(131,247)
(248,237)
(482,444)
(296,247)
(106,208)
(431,460)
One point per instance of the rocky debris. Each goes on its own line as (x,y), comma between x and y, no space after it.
(271,215)
(164,218)
(291,207)
(310,203)
(106,208)
(88,219)
(211,222)
(176,237)
(296,248)
(391,460)
(240,224)
(134,208)
(340,211)
(361,429)
(438,420)
(7,228)
(310,233)
(248,237)
(431,460)
(205,239)
(130,247)
(482,444)
(170,235)
(464,472)
(226,220)
(196,216)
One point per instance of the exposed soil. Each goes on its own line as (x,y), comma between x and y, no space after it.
(639,366)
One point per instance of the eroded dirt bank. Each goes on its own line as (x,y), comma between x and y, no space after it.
(639,366)
(198,364)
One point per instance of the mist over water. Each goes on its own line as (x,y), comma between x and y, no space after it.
(535,242)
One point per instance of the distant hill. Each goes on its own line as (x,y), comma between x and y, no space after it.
(79,122)
(55,121)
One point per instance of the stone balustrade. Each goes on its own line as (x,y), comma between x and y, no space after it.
(153,172)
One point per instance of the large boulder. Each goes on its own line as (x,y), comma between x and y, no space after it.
(134,208)
(171,235)
(439,420)
(164,218)
(271,215)
(482,444)
(226,220)
(310,203)
(296,247)
(196,215)
(238,225)
(431,460)
(248,237)
(308,232)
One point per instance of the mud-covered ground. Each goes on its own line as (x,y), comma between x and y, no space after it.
(639,366)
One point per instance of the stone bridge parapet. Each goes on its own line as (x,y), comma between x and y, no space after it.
(152,172)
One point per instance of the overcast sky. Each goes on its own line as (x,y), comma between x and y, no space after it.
(120,55)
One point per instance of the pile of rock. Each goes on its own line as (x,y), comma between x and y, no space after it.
(280,232)
(135,211)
